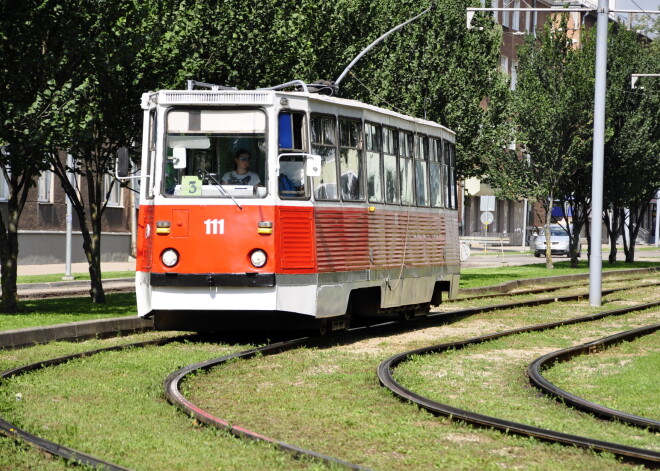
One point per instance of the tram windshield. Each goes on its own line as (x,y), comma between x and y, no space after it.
(211,153)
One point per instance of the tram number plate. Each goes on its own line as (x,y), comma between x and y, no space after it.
(215,226)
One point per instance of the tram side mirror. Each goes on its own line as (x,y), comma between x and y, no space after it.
(122,162)
(313,165)
(179,160)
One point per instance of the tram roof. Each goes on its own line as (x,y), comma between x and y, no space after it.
(267,97)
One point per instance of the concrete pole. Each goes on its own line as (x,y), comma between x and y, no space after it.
(596,259)
(69,224)
(524,228)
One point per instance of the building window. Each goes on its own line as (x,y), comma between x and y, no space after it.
(504,65)
(45,187)
(528,21)
(515,24)
(514,75)
(506,14)
(4,187)
(110,184)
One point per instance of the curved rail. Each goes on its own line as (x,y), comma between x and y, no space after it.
(175,397)
(386,368)
(55,449)
(547,361)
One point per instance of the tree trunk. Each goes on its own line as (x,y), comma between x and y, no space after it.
(613,227)
(92,247)
(636,213)
(9,258)
(9,240)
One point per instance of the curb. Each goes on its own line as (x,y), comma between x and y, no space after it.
(511,285)
(73,331)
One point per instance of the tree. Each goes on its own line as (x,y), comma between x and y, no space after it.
(124,41)
(632,164)
(35,79)
(548,111)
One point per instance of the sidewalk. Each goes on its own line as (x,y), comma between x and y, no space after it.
(60,268)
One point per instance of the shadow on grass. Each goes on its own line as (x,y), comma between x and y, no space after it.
(117,304)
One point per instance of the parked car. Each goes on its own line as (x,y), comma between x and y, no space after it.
(560,243)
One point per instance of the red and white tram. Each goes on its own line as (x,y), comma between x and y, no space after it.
(354,212)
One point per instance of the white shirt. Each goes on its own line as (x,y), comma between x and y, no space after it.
(233,178)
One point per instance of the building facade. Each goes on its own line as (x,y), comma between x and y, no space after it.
(43,223)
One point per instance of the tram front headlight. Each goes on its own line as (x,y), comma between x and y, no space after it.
(258,258)
(169,257)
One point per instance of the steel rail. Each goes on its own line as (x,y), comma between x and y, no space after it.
(546,289)
(55,449)
(386,368)
(176,398)
(547,361)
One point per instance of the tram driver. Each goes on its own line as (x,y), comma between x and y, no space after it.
(241,174)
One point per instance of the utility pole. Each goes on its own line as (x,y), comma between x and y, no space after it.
(596,258)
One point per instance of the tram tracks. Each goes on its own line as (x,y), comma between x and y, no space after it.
(55,449)
(386,369)
(536,378)
(174,395)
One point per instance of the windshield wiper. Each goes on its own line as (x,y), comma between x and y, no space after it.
(201,173)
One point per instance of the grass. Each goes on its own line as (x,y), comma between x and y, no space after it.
(328,400)
(107,417)
(35,313)
(623,377)
(50,278)
(476,277)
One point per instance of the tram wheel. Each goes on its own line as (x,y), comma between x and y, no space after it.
(322,327)
(406,314)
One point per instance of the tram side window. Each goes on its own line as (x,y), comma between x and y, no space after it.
(350,159)
(450,176)
(406,167)
(421,159)
(324,140)
(390,150)
(372,134)
(291,131)
(291,178)
(435,173)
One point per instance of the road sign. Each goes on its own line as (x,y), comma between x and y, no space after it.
(487,203)
(487,218)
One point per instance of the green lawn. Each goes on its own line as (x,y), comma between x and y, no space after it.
(50,278)
(34,313)
(476,277)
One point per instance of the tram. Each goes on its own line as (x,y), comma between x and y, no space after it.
(287,205)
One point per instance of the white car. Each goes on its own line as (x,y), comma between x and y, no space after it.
(560,243)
